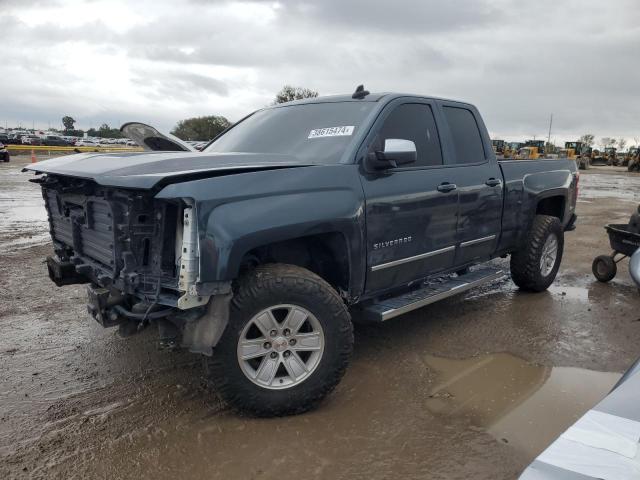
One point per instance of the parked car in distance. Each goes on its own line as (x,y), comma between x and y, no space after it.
(257,251)
(54,140)
(85,142)
(31,140)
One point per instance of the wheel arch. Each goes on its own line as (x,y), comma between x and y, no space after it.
(326,254)
(553,205)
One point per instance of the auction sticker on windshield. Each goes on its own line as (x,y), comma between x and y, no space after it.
(332,132)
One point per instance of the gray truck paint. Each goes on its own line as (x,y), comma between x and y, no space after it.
(244,201)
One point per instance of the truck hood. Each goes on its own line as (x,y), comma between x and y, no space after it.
(147,169)
(151,139)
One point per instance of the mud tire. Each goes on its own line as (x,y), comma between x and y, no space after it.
(604,268)
(526,272)
(266,286)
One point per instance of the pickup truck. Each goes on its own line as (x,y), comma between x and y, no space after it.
(258,251)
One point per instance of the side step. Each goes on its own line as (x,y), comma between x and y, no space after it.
(432,292)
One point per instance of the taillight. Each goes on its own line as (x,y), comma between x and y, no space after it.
(575,193)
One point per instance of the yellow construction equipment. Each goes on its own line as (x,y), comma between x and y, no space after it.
(529,153)
(532,149)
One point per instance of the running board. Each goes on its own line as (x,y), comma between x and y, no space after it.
(432,292)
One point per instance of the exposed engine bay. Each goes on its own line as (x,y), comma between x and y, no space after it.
(139,255)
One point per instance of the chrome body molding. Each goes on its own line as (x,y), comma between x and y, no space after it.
(402,261)
(478,240)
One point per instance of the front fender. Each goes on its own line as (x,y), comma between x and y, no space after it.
(237,213)
(233,229)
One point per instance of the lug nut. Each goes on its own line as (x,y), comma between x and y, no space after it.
(292,341)
(273,333)
(267,345)
(273,355)
(287,332)
(286,354)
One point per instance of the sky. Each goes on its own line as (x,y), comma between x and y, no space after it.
(160,61)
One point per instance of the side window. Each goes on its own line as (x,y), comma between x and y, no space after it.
(466,135)
(415,122)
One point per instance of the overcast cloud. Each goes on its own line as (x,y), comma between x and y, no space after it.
(162,61)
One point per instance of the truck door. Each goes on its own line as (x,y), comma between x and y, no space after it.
(477,175)
(411,210)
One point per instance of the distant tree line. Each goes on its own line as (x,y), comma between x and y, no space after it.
(196,128)
(208,127)
(104,131)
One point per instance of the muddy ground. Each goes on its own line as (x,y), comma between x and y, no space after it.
(472,387)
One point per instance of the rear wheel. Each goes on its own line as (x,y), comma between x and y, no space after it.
(604,268)
(534,267)
(287,344)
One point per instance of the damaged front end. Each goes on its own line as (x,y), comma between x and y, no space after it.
(139,255)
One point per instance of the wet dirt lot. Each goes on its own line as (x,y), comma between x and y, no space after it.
(472,387)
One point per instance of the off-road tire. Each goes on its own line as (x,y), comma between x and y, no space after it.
(261,288)
(604,268)
(525,263)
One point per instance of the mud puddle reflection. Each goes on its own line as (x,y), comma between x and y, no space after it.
(23,219)
(526,406)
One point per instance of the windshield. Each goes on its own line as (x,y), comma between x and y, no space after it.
(313,132)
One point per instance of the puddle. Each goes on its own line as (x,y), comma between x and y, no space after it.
(570,293)
(623,186)
(526,406)
(23,219)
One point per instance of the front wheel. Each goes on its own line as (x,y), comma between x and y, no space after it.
(534,267)
(287,344)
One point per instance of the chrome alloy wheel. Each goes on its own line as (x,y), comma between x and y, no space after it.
(280,346)
(549,255)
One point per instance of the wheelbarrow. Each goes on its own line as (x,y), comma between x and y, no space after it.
(625,243)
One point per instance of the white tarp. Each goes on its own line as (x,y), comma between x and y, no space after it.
(599,445)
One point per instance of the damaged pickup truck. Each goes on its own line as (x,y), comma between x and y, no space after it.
(257,251)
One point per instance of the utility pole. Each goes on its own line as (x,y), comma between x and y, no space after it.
(550,124)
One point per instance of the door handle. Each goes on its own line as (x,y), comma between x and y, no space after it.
(447,187)
(493,182)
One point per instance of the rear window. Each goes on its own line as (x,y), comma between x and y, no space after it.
(466,135)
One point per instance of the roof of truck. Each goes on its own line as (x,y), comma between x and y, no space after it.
(371,97)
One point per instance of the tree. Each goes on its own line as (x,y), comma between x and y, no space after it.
(587,139)
(606,142)
(621,144)
(201,128)
(68,122)
(289,93)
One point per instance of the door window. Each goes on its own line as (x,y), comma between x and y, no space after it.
(415,122)
(466,135)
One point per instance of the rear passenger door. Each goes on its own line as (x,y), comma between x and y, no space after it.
(479,183)
(411,220)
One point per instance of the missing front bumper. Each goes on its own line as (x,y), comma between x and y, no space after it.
(64,273)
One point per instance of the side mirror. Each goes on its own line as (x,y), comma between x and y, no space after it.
(396,152)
